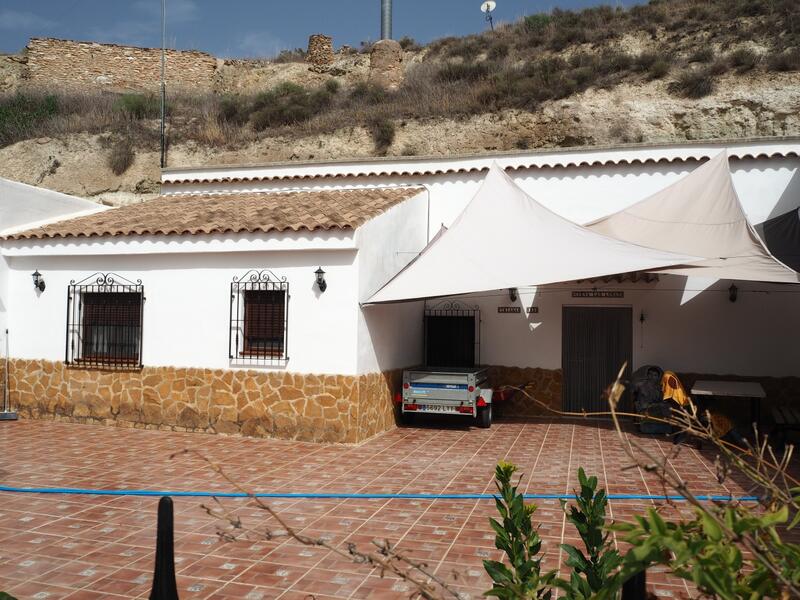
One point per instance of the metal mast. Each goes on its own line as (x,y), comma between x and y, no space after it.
(386,19)
(163,82)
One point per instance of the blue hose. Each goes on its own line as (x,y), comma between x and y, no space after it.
(343,496)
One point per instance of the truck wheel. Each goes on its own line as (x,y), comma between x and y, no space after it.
(484,418)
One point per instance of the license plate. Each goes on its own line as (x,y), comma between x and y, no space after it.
(436,408)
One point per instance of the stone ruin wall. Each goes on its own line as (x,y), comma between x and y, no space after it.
(69,64)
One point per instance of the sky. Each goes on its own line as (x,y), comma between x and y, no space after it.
(251,28)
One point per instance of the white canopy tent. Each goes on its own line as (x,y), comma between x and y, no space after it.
(505,239)
(699,215)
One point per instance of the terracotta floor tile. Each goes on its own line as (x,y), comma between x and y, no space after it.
(93,546)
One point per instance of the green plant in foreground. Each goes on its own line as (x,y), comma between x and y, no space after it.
(4,596)
(595,570)
(517,537)
(700,551)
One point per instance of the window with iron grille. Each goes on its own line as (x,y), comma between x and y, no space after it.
(452,334)
(104,322)
(259,319)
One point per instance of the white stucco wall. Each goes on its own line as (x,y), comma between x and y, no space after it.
(768,185)
(23,205)
(389,336)
(3,304)
(754,336)
(757,335)
(186,312)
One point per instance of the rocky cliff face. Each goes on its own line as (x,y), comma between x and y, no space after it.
(665,71)
(761,104)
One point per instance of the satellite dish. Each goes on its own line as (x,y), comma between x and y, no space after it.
(487,8)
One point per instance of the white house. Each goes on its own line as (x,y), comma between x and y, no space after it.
(24,206)
(233,302)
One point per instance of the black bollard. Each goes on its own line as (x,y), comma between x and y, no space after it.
(164,585)
(636,587)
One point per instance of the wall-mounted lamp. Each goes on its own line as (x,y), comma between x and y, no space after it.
(321,283)
(512,294)
(733,292)
(642,317)
(38,280)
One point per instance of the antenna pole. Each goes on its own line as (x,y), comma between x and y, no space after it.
(386,19)
(163,82)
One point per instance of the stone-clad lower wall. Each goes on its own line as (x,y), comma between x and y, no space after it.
(52,62)
(320,408)
(542,384)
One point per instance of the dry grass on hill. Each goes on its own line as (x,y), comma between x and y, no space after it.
(543,57)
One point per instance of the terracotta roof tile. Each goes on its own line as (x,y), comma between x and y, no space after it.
(231,213)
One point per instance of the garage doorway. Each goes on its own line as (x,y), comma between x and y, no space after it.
(596,340)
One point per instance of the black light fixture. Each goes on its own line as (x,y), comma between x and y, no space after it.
(38,280)
(321,283)
(733,292)
(512,294)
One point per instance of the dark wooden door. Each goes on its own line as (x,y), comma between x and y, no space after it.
(596,342)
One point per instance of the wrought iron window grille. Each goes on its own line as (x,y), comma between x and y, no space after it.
(259,319)
(104,323)
(453,308)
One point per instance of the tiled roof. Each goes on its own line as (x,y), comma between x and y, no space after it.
(231,213)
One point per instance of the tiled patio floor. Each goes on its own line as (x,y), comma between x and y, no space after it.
(59,546)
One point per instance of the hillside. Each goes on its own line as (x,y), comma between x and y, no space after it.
(667,71)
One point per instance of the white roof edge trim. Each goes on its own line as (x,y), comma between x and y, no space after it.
(180,244)
(549,158)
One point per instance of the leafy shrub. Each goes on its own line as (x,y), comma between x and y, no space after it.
(784,61)
(138,106)
(744,59)
(234,110)
(121,157)
(383,132)
(660,68)
(519,540)
(467,48)
(452,72)
(409,44)
(645,60)
(702,55)
(696,83)
(614,62)
(288,104)
(593,571)
(536,23)
(332,86)
(697,13)
(498,51)
(564,37)
(368,93)
(21,113)
(700,550)
(297,55)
